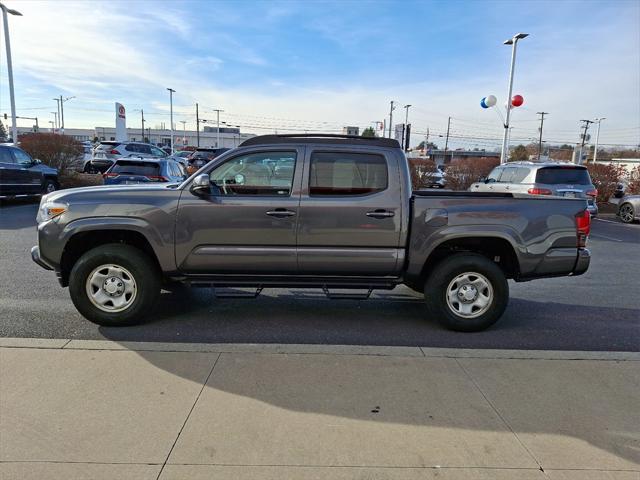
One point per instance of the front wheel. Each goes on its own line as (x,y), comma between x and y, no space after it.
(49,186)
(466,292)
(626,212)
(114,285)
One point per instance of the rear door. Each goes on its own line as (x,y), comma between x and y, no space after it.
(350,213)
(247,224)
(9,173)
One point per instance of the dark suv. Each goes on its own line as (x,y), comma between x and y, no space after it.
(21,175)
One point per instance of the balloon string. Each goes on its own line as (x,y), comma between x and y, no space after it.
(499,113)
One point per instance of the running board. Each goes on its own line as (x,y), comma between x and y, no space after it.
(255,294)
(347,296)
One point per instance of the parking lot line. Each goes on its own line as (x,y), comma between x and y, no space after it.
(599,235)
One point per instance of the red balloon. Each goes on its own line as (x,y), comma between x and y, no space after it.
(517,100)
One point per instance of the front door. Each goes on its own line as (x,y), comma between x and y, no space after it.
(247,225)
(350,214)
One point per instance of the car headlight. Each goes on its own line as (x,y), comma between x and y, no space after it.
(49,210)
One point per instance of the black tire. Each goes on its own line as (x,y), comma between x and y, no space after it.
(445,272)
(145,273)
(49,185)
(627,213)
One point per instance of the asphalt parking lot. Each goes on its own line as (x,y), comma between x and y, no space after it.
(597,311)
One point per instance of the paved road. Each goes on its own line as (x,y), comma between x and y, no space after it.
(597,311)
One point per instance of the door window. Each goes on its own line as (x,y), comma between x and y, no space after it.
(5,156)
(263,173)
(21,157)
(339,173)
(495,174)
(157,152)
(507,175)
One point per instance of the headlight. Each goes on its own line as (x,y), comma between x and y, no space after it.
(49,210)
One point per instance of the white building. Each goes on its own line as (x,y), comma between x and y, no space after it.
(228,137)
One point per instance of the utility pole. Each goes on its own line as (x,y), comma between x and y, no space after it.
(426,141)
(61,104)
(7,43)
(542,114)
(142,113)
(391,117)
(55,117)
(584,138)
(217,126)
(171,92)
(197,127)
(404,129)
(595,150)
(505,141)
(446,142)
(184,132)
(58,102)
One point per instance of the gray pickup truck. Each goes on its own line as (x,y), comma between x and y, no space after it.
(310,211)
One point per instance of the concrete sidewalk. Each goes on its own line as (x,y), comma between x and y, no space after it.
(108,410)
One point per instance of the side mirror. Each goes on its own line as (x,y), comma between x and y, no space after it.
(201,185)
(482,180)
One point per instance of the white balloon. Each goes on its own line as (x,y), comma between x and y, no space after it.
(490,100)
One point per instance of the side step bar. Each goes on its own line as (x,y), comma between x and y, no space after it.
(255,294)
(347,296)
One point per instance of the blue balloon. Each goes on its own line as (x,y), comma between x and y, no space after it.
(483,103)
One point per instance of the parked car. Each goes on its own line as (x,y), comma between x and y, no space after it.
(132,171)
(182,157)
(629,208)
(559,179)
(105,154)
(435,179)
(21,175)
(339,214)
(201,156)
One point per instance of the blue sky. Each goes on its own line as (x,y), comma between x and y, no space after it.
(321,65)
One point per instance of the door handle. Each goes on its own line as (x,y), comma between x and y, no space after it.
(380,214)
(281,213)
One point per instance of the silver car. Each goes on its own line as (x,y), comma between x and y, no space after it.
(105,153)
(629,208)
(559,179)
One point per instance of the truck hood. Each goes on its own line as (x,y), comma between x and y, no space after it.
(108,191)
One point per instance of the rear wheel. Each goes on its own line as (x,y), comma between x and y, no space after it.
(114,285)
(466,292)
(626,212)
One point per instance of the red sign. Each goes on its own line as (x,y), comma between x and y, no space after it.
(121,112)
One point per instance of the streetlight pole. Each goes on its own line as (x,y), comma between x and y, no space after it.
(513,42)
(55,117)
(542,114)
(7,42)
(171,92)
(57,100)
(595,150)
(184,131)
(218,126)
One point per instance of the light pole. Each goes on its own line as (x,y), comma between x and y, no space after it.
(505,141)
(218,126)
(55,117)
(52,125)
(542,114)
(595,150)
(142,115)
(184,132)
(171,92)
(7,42)
(57,100)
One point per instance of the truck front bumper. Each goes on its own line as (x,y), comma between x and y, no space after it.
(35,256)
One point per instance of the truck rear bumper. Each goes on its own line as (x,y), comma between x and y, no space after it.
(559,262)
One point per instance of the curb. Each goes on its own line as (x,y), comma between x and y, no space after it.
(312,349)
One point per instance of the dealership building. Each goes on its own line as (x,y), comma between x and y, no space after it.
(227,137)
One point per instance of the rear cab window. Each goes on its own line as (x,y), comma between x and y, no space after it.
(345,173)
(127,167)
(563,175)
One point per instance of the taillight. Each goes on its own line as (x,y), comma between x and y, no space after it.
(583,227)
(540,191)
(110,175)
(157,178)
(114,152)
(593,193)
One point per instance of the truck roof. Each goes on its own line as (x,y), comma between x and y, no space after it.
(321,138)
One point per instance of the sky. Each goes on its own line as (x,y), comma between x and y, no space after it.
(292,66)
